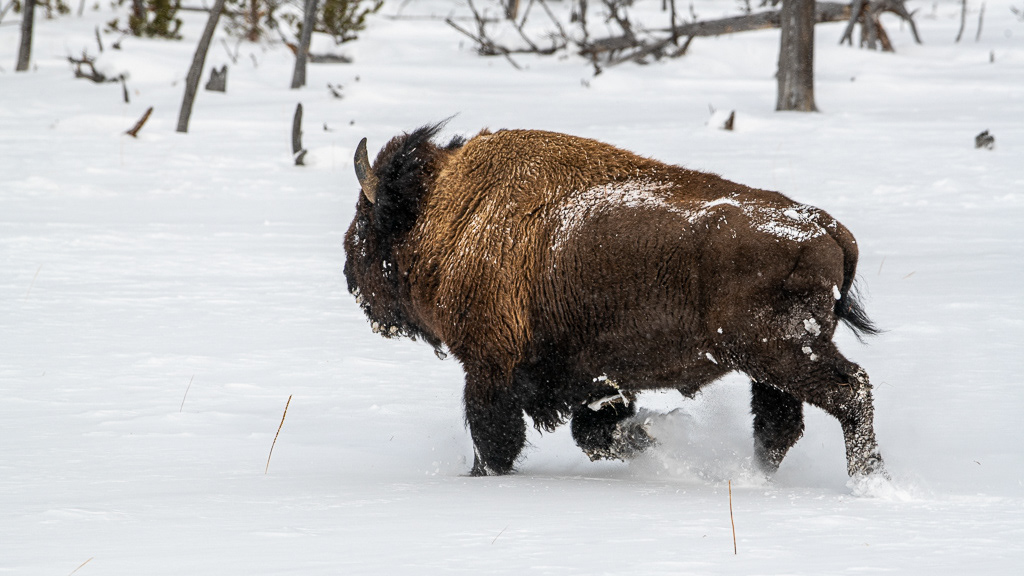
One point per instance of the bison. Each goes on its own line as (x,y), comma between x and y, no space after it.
(567,275)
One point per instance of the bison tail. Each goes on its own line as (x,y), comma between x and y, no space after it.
(848,305)
(850,310)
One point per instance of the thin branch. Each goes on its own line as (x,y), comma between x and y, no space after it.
(981,19)
(551,15)
(134,133)
(963,20)
(278,432)
(486,47)
(856,9)
(3,12)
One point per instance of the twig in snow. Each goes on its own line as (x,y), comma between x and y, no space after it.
(731,520)
(499,534)
(80,566)
(134,132)
(232,55)
(33,283)
(186,388)
(278,432)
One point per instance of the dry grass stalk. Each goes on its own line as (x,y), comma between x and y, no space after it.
(186,393)
(33,283)
(80,566)
(731,520)
(278,432)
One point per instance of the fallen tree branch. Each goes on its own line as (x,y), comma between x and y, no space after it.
(634,43)
(824,12)
(85,68)
(639,49)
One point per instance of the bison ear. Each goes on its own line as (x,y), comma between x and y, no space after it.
(367,179)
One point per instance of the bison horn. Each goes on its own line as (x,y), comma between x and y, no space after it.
(367,179)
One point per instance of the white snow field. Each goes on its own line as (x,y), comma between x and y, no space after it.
(161,298)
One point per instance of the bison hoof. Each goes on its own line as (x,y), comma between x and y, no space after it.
(482,469)
(629,439)
(869,466)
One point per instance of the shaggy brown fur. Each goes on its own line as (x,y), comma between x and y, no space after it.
(560,271)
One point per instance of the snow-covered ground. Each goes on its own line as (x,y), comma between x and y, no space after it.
(161,298)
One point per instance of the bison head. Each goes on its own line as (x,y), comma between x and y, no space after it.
(393,191)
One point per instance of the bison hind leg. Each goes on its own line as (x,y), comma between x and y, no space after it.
(605,429)
(819,375)
(778,424)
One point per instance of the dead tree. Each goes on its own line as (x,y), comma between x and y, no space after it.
(28,11)
(796,57)
(872,35)
(192,81)
(308,22)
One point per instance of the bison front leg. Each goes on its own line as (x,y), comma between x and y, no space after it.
(604,429)
(495,420)
(778,424)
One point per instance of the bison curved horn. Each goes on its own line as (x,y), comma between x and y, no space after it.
(367,179)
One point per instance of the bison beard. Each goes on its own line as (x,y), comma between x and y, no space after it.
(567,275)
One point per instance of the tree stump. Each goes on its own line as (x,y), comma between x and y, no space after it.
(218,79)
(298,152)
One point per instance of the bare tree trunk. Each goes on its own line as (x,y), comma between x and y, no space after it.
(796,57)
(253,21)
(137,21)
(192,81)
(308,21)
(511,9)
(28,12)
